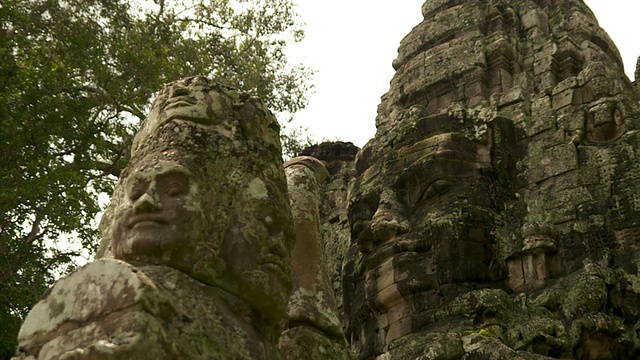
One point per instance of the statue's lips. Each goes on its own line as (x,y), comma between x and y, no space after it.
(146,219)
(181,101)
(275,262)
(392,248)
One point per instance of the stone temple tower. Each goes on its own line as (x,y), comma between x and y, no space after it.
(495,214)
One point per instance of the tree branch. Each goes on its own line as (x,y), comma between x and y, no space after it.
(35,233)
(107,168)
(135,112)
(202,21)
(161,3)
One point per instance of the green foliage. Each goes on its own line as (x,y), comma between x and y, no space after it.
(76,76)
(294,141)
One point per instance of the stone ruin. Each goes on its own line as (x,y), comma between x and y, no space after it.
(494,215)
(205,249)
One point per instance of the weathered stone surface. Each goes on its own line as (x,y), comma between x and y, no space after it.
(494,215)
(312,320)
(338,158)
(494,212)
(111,310)
(203,211)
(110,290)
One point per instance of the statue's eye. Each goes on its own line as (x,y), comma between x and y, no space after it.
(175,189)
(138,188)
(135,195)
(436,188)
(173,184)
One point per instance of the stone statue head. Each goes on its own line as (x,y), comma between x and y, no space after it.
(423,212)
(205,193)
(162,219)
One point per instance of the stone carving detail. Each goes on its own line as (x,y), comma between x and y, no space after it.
(338,157)
(494,214)
(312,318)
(202,214)
(422,213)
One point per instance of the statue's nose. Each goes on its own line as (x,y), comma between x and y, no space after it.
(387,223)
(147,203)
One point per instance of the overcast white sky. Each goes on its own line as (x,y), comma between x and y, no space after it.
(351,43)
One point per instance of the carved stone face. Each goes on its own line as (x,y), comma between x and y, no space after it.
(161,217)
(196,100)
(206,194)
(256,249)
(168,217)
(422,214)
(187,99)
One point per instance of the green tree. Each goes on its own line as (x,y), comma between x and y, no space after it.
(75,78)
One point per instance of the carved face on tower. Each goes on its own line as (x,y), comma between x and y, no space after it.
(422,213)
(205,193)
